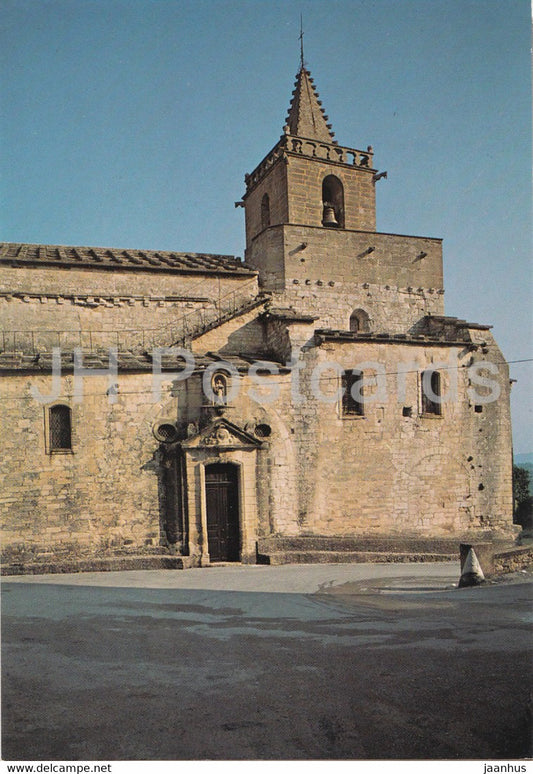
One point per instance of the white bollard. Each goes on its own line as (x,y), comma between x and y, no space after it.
(471,574)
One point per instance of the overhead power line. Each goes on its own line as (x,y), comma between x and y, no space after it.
(266,384)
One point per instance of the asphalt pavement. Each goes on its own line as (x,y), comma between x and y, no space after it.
(297,662)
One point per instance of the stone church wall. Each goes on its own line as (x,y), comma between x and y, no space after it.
(274,185)
(389,310)
(330,273)
(147,305)
(244,333)
(392,472)
(105,492)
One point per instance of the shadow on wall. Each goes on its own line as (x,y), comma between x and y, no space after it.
(169,493)
(162,465)
(250,338)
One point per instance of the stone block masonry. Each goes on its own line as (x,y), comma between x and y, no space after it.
(90,308)
(304,181)
(396,283)
(105,491)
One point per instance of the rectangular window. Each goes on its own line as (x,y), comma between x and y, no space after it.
(431,392)
(352,397)
(60,428)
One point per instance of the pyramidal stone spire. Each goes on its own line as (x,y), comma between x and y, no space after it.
(306,115)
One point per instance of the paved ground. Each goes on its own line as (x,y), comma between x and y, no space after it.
(291,662)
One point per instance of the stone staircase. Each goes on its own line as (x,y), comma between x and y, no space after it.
(322,550)
(176,332)
(64,561)
(221,318)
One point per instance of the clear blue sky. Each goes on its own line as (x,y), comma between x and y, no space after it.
(131,123)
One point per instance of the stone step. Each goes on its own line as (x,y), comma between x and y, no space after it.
(99,564)
(345,557)
(377,544)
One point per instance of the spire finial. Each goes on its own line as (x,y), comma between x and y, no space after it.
(306,116)
(301,42)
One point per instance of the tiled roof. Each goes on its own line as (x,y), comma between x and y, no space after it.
(114,258)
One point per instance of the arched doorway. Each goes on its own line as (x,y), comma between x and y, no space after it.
(222,507)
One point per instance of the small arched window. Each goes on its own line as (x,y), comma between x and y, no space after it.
(332,202)
(265,211)
(359,321)
(60,428)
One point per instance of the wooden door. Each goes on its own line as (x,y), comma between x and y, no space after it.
(222,503)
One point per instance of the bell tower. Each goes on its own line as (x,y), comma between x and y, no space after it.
(310,209)
(308,179)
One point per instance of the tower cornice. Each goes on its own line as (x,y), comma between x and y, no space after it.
(310,148)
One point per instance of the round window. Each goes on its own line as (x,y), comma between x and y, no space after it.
(165,432)
(263,431)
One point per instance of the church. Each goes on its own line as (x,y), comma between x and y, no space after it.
(312,403)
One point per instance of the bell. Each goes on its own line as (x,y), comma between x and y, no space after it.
(328,218)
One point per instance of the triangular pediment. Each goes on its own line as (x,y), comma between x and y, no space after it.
(222,434)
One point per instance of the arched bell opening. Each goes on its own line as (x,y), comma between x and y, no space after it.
(332,202)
